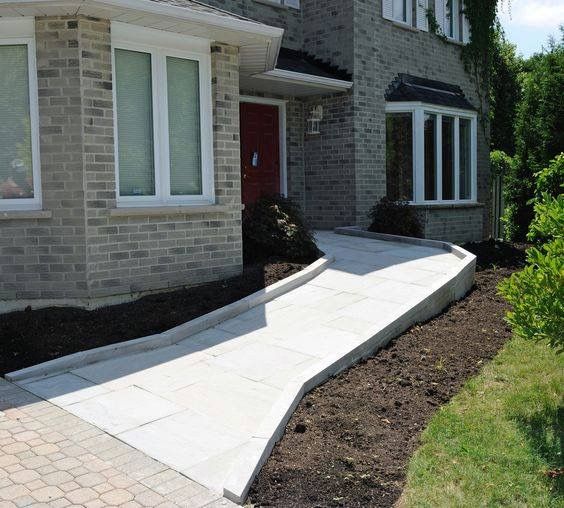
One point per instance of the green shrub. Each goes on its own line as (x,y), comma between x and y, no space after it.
(537,292)
(275,227)
(537,295)
(551,179)
(549,218)
(395,218)
(500,163)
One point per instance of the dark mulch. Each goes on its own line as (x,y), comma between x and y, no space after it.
(33,336)
(349,442)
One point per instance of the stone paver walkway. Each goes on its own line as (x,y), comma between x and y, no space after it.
(51,458)
(195,405)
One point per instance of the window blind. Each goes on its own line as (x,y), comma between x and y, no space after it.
(16,162)
(183,88)
(134,99)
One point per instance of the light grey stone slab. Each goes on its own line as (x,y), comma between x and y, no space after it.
(64,389)
(116,412)
(236,402)
(184,439)
(259,360)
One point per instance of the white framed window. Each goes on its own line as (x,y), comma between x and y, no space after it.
(400,11)
(294,4)
(407,12)
(163,118)
(20,179)
(431,153)
(452,20)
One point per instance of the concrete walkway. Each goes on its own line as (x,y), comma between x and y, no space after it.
(195,406)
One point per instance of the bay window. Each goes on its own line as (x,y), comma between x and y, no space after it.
(430,153)
(19,136)
(163,122)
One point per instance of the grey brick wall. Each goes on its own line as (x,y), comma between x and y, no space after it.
(141,253)
(382,50)
(452,224)
(46,258)
(83,252)
(289,19)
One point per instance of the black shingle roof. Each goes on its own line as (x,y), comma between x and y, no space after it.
(407,88)
(302,62)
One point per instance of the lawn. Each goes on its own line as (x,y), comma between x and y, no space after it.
(499,441)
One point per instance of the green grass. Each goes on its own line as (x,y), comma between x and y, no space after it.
(494,443)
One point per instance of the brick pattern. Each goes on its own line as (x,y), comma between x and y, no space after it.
(49,457)
(452,224)
(330,164)
(83,253)
(46,259)
(275,15)
(381,51)
(137,254)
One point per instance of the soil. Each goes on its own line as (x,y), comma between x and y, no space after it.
(34,336)
(349,441)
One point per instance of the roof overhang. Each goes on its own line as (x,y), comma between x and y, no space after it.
(295,84)
(259,43)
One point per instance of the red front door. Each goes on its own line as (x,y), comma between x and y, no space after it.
(260,151)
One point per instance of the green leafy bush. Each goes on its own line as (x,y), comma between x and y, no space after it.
(537,295)
(551,179)
(537,292)
(395,218)
(275,227)
(549,218)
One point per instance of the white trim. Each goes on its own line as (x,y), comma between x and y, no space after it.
(306,79)
(282,128)
(167,44)
(9,29)
(418,110)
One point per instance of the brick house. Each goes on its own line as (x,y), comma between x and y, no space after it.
(134,131)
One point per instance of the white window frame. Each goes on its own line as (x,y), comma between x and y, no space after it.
(290,4)
(21,31)
(160,45)
(388,12)
(418,111)
(455,20)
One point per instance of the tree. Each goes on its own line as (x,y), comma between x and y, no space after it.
(505,92)
(539,134)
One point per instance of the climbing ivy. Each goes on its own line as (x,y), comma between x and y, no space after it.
(477,54)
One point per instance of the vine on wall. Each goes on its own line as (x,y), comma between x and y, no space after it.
(477,54)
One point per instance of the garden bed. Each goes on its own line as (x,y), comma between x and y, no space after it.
(349,441)
(34,336)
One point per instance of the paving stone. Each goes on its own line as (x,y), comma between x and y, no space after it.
(117,497)
(90,479)
(47,494)
(81,496)
(24,476)
(57,478)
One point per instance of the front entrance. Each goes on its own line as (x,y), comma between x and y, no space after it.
(260,151)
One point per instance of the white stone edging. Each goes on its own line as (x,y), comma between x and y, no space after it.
(258,449)
(174,335)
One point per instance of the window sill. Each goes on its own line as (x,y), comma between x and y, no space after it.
(152,211)
(25,214)
(435,206)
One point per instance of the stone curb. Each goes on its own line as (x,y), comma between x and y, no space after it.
(258,449)
(173,335)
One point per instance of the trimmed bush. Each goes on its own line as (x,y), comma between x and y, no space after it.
(537,295)
(275,227)
(537,292)
(395,218)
